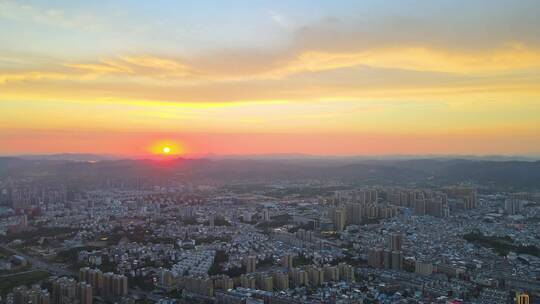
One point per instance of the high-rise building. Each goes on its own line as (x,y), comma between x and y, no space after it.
(338,217)
(316,276)
(83,274)
(281,281)
(375,257)
(34,295)
(108,284)
(265,282)
(188,212)
(299,277)
(287,261)
(420,207)
(223,282)
(355,213)
(251,263)
(435,207)
(84,293)
(119,285)
(200,286)
(96,280)
(346,272)
(45,297)
(331,273)
(397,260)
(23,221)
(166,279)
(522,298)
(395,241)
(114,285)
(465,195)
(387,258)
(423,268)
(266,215)
(247,281)
(512,206)
(64,290)
(305,235)
(94,277)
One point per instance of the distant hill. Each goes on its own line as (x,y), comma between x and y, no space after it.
(70,157)
(493,174)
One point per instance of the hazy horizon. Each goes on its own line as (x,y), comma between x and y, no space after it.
(276,156)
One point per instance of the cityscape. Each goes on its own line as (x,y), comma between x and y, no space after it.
(270,152)
(160,237)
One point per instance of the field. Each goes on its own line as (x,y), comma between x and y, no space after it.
(501,245)
(9,282)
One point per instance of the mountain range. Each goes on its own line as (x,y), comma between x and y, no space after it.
(505,174)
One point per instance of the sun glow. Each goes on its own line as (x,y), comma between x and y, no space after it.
(166,148)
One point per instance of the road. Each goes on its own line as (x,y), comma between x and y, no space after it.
(39,264)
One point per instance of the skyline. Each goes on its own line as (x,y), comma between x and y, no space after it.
(261,77)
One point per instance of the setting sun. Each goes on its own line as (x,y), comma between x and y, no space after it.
(166,147)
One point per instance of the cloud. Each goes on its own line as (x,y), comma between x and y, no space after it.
(448,70)
(99,68)
(331,59)
(441,25)
(31,76)
(418,59)
(279,19)
(50,16)
(137,66)
(507,60)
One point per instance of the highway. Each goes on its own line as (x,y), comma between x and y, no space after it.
(39,264)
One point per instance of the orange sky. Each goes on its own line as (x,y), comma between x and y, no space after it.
(201,144)
(348,78)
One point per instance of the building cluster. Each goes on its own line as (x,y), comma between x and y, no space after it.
(389,258)
(384,244)
(92,284)
(27,193)
(357,206)
(194,263)
(33,295)
(276,280)
(64,291)
(107,285)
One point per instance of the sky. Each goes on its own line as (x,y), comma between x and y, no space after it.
(270,77)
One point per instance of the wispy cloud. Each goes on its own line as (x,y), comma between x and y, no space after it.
(50,17)
(491,63)
(279,19)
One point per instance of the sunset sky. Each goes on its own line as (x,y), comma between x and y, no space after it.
(264,77)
